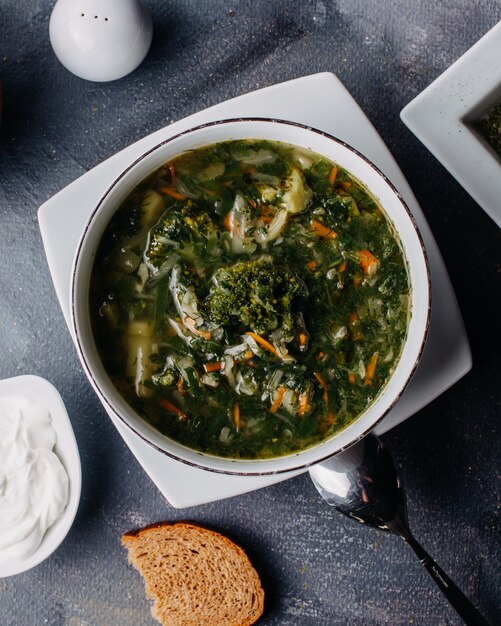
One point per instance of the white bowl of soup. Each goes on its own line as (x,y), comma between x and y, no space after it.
(250,296)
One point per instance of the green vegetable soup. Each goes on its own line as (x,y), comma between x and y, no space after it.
(249,299)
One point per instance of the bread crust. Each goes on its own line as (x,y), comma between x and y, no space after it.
(206,569)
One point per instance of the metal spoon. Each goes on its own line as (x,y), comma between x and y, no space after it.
(362,482)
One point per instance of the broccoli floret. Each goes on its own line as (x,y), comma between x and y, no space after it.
(166,235)
(256,294)
(201,225)
(168,378)
(175,229)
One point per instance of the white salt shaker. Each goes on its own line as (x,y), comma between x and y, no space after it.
(100,40)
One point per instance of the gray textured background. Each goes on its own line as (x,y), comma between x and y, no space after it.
(318,569)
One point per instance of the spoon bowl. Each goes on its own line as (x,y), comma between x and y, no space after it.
(362,482)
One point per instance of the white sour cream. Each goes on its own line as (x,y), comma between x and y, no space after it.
(33,481)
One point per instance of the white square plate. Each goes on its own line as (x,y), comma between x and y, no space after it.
(320,101)
(441,117)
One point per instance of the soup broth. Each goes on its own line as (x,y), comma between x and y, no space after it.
(249,299)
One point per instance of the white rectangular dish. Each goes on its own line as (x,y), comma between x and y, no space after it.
(441,117)
(320,101)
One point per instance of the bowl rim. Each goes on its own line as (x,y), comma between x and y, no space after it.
(228,471)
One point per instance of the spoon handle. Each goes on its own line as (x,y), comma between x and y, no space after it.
(456,597)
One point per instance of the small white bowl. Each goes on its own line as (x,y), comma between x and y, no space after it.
(443,116)
(41,391)
(273,130)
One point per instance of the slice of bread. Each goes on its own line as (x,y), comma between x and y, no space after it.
(195,576)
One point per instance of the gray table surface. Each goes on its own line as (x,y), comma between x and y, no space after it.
(318,568)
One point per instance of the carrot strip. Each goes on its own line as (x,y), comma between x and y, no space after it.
(190,324)
(173,193)
(251,202)
(371,368)
(172,408)
(343,267)
(180,385)
(322,382)
(353,317)
(262,342)
(303,404)
(311,265)
(228,221)
(368,262)
(172,170)
(236,416)
(278,399)
(332,176)
(303,341)
(351,378)
(354,326)
(346,185)
(323,231)
(329,415)
(248,354)
(215,366)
